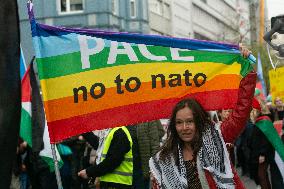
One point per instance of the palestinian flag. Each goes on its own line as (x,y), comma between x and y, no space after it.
(26,112)
(267,127)
(27,123)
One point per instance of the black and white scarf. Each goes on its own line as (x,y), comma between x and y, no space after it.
(212,156)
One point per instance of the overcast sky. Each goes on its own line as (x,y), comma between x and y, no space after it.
(275,7)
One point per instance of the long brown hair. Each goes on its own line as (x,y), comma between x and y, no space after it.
(202,121)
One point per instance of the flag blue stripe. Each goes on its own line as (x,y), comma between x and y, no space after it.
(59,45)
(23,67)
(68,43)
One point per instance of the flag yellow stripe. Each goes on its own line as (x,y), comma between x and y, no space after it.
(61,87)
(65,107)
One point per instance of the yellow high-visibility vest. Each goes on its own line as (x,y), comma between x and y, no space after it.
(123,173)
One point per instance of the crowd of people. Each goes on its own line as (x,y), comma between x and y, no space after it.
(194,150)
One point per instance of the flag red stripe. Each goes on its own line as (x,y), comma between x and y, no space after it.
(26,87)
(135,113)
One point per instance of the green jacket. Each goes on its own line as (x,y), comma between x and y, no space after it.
(149,136)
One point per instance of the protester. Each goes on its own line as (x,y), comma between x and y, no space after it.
(22,155)
(20,176)
(278,110)
(224,114)
(65,171)
(265,109)
(38,171)
(117,165)
(195,155)
(262,150)
(77,159)
(149,136)
(77,145)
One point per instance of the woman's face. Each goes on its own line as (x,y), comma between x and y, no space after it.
(225,114)
(185,125)
(254,114)
(278,102)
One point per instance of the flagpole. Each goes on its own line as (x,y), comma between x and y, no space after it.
(56,168)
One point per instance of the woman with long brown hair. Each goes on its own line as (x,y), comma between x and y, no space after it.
(194,154)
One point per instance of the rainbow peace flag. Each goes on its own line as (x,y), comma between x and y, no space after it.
(93,80)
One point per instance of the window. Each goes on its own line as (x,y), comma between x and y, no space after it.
(156,6)
(133,8)
(114,7)
(67,6)
(167,10)
(159,7)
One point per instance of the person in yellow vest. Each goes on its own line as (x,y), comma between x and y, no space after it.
(115,170)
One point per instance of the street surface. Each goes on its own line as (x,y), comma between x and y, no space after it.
(249,184)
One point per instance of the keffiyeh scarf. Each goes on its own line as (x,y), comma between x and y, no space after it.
(102,136)
(212,156)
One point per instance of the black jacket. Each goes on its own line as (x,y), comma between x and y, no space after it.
(259,145)
(119,146)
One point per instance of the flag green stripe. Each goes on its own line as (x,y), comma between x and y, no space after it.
(26,129)
(50,163)
(270,132)
(67,64)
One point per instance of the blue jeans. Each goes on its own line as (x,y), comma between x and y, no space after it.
(24,180)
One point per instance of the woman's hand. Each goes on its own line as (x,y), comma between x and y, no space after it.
(244,51)
(261,159)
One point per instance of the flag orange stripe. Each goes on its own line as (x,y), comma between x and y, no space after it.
(65,107)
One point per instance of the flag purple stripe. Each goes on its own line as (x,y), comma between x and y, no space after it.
(138,38)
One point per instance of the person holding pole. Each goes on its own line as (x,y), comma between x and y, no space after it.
(194,154)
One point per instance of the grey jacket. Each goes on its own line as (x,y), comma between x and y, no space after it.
(149,136)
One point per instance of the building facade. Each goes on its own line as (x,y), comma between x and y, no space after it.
(217,20)
(221,20)
(111,15)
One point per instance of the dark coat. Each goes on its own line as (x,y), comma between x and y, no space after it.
(119,146)
(260,146)
(149,136)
